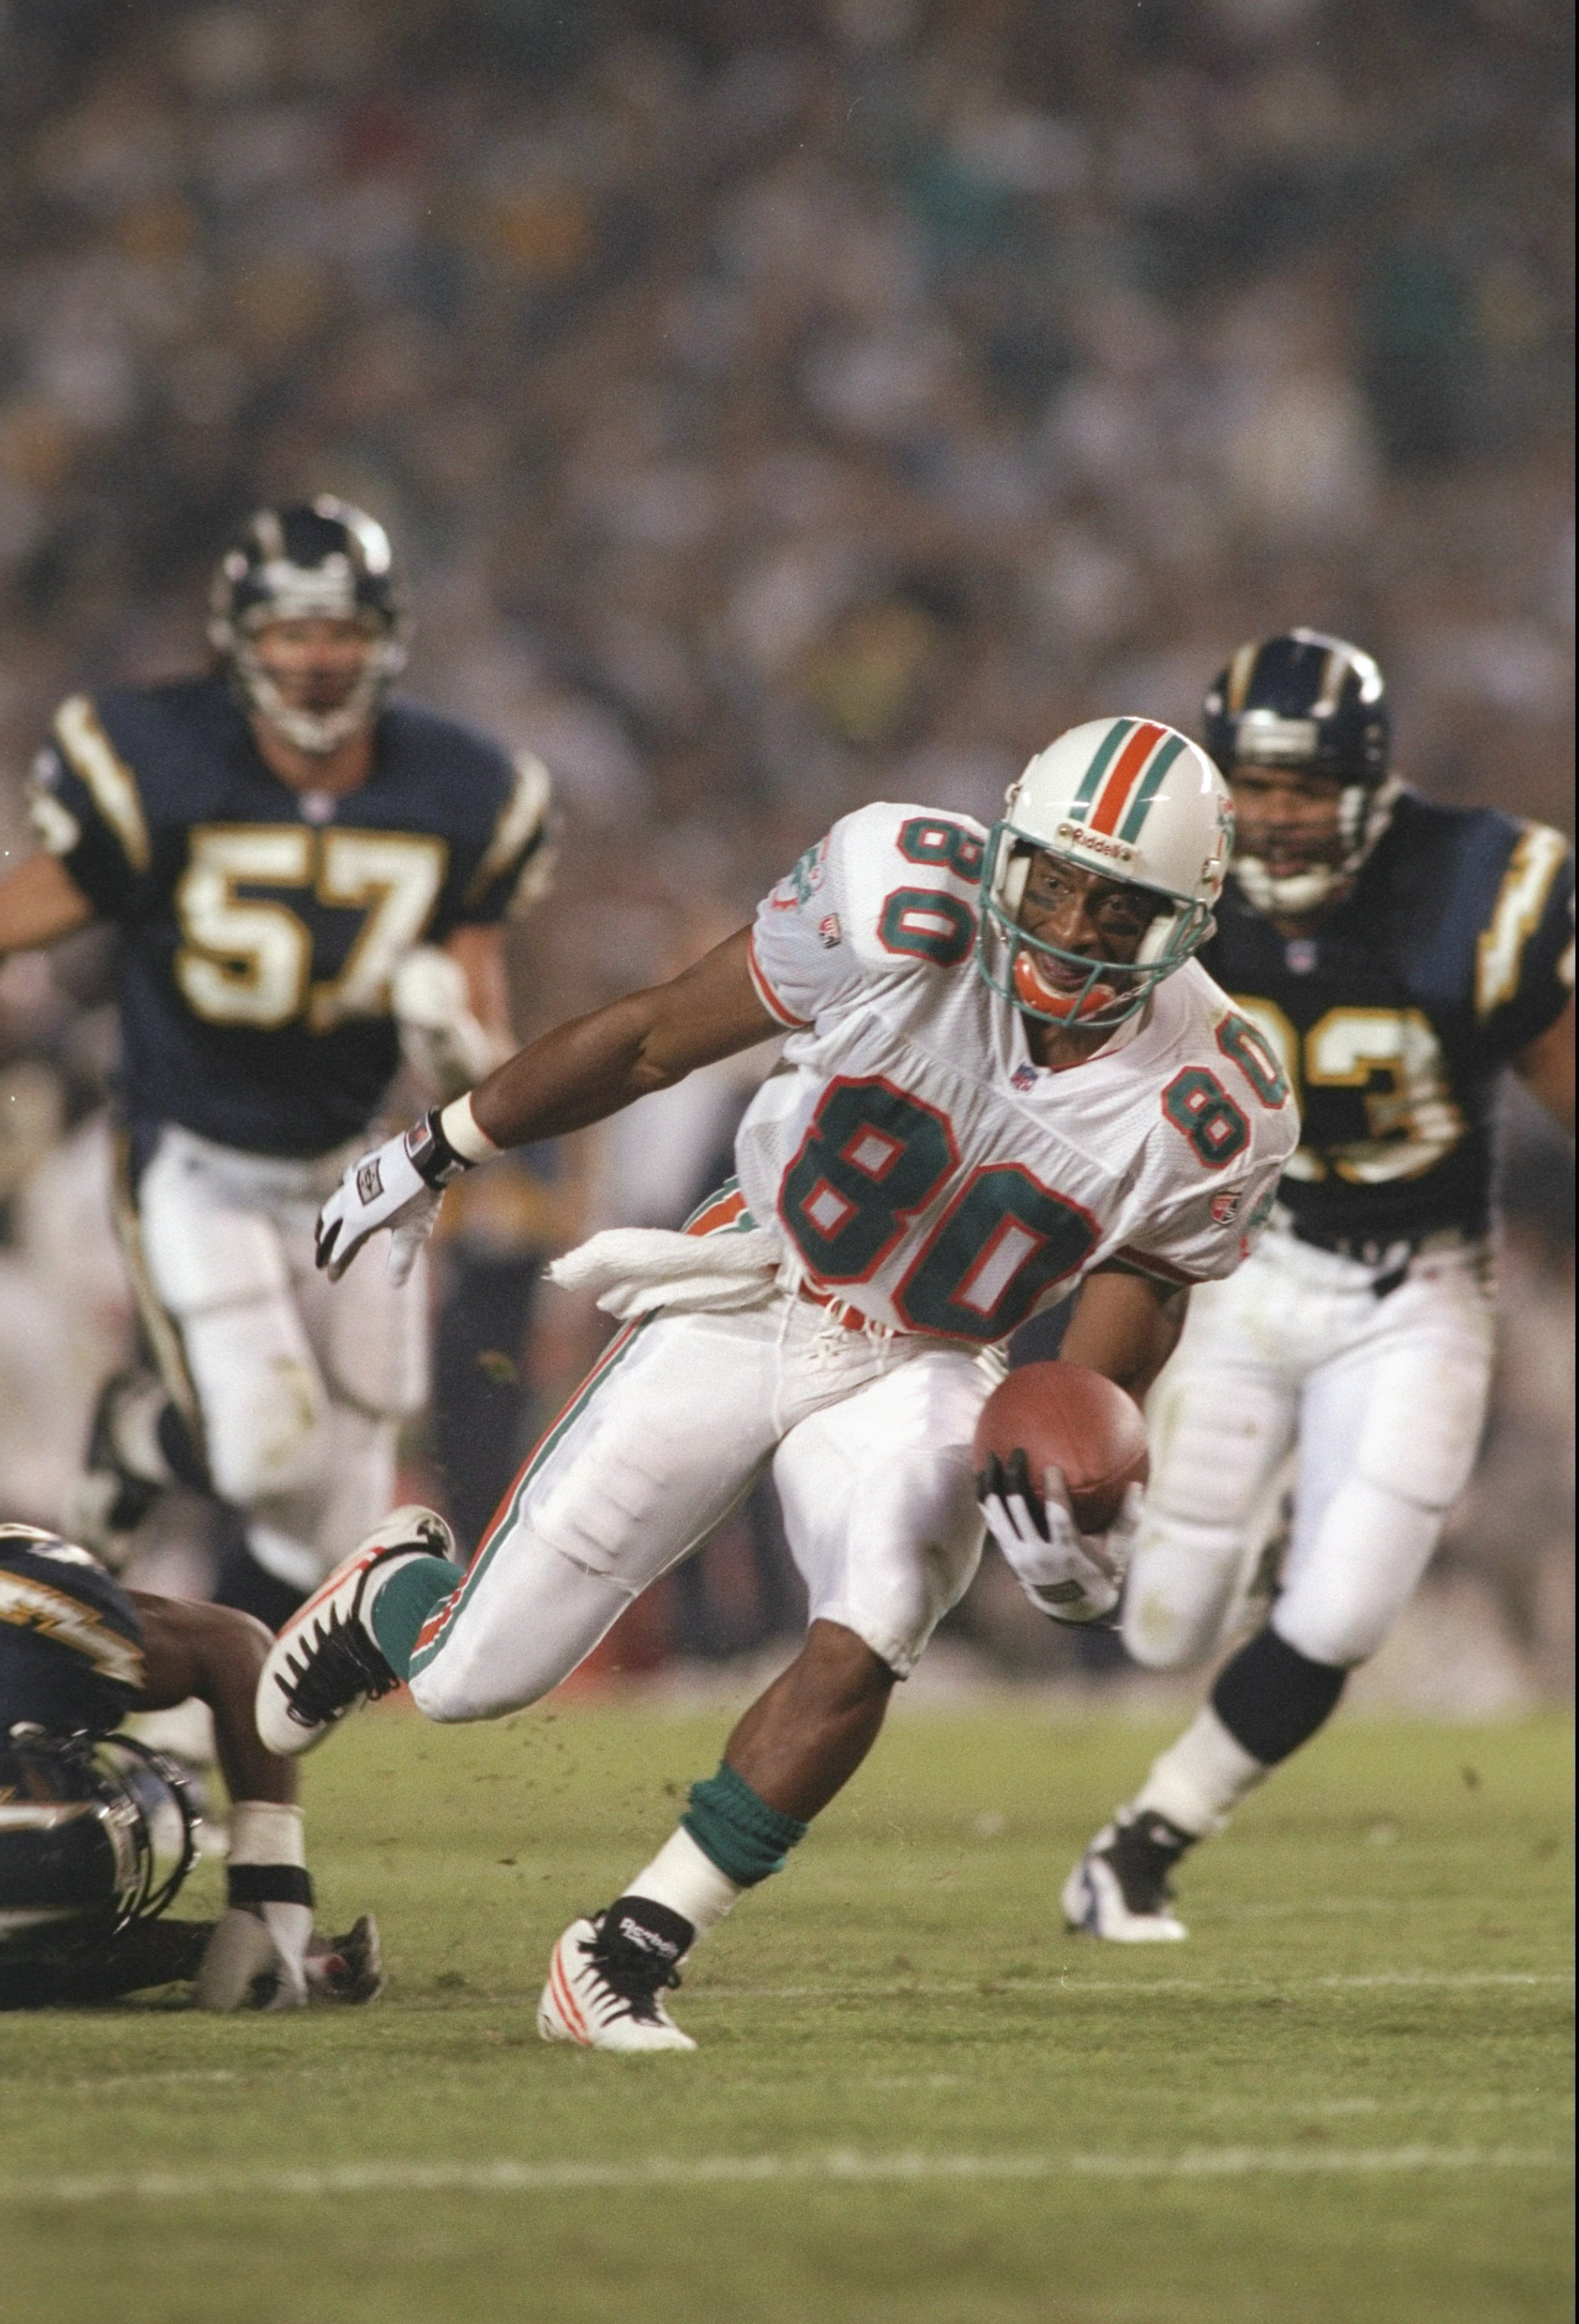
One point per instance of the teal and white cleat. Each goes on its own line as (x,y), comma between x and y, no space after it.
(325,1660)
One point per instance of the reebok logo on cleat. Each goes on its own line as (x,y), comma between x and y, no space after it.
(647,1941)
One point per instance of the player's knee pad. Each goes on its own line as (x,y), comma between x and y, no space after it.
(265,1411)
(373,1338)
(358,1479)
(1218,1436)
(1346,1588)
(1182,1582)
(1423,1425)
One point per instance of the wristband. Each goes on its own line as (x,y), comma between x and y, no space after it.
(268,1855)
(430,1154)
(268,1883)
(464,1134)
(266,1831)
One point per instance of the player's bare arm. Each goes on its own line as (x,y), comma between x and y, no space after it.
(589,1068)
(41,904)
(1125,1326)
(216,1654)
(1546,1069)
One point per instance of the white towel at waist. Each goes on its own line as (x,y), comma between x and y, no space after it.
(633,1269)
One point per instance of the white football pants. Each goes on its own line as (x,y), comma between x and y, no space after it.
(1381,1403)
(297,1384)
(868,1434)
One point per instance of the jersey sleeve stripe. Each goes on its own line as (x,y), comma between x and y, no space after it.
(1533,864)
(778,1010)
(1146,1263)
(91,756)
(520,820)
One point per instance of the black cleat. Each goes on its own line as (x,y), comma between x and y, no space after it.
(1122,1886)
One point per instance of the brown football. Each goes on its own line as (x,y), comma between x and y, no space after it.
(1062,1416)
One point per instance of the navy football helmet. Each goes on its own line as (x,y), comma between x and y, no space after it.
(321,559)
(1313,704)
(96,1832)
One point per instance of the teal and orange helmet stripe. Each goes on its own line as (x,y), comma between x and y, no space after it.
(1125,777)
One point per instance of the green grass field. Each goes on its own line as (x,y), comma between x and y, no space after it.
(917,2101)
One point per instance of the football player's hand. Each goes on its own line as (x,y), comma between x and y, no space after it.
(442,1040)
(1070,1575)
(254,1959)
(387,1188)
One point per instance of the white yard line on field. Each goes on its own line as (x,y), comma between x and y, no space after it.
(512,2178)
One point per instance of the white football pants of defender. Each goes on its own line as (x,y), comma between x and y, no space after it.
(1382,1403)
(869,1436)
(299,1384)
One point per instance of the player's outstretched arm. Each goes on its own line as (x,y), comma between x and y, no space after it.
(1546,1068)
(591,1067)
(577,1074)
(40,904)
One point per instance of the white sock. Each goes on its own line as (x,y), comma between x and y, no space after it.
(685,1878)
(1199,1781)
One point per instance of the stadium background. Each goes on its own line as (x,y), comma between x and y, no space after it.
(780,408)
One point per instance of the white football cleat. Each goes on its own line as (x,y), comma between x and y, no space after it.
(605,2004)
(1120,1890)
(325,1660)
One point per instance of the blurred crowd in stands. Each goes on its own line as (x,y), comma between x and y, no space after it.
(778,407)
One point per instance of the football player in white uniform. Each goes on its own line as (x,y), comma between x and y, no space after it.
(309,881)
(1396,955)
(1005,1077)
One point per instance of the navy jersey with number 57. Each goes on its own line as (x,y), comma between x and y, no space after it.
(261,925)
(1453,953)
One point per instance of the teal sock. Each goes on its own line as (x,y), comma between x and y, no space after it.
(404,1604)
(744,1837)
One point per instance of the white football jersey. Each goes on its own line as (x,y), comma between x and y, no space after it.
(918,1162)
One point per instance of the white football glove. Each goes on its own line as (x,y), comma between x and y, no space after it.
(444,1044)
(252,1942)
(398,1186)
(1070,1575)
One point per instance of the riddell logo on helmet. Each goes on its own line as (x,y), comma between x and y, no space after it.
(1118,851)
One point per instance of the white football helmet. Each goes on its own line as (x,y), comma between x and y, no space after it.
(1132,800)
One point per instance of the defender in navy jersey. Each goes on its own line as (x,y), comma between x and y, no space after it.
(310,882)
(1396,955)
(96,1831)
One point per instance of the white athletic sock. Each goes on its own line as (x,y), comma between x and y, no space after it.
(685,1877)
(1199,1781)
